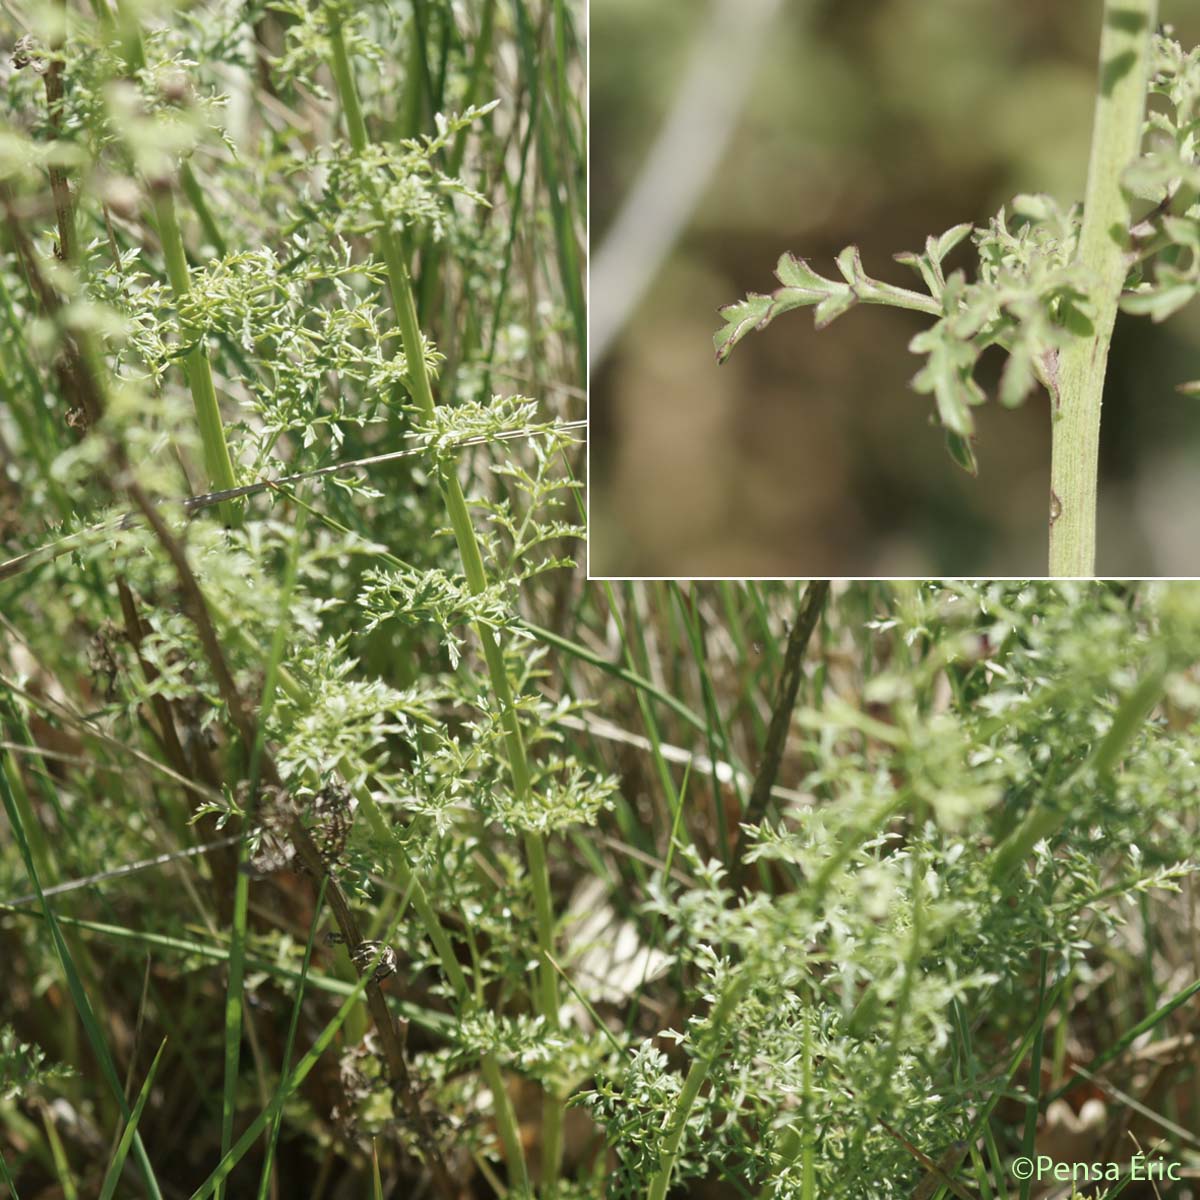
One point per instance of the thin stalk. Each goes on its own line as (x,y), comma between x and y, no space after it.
(798,1141)
(506,1119)
(781,715)
(58,1155)
(289,1083)
(237,947)
(631,635)
(7,1179)
(1044,820)
(1104,248)
(233,998)
(696,1077)
(195,194)
(75,986)
(560,211)
(113,1175)
(716,731)
(1035,1085)
(404,304)
(195,364)
(431,251)
(264,1184)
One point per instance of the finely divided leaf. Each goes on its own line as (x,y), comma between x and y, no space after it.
(1174,286)
(962,450)
(951,238)
(796,275)
(1160,302)
(947,376)
(802,286)
(740,318)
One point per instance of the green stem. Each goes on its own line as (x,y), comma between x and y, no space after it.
(696,1077)
(195,194)
(1044,820)
(195,364)
(404,305)
(1103,247)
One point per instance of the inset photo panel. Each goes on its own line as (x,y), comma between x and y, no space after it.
(894,289)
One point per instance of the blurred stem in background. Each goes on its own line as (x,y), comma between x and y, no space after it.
(684,157)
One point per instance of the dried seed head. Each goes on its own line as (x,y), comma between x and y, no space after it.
(27,53)
(275,811)
(103,662)
(334,815)
(365,952)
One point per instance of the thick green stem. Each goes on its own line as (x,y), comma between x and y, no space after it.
(404,304)
(195,194)
(1104,248)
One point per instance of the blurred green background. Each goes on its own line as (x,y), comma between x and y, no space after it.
(874,122)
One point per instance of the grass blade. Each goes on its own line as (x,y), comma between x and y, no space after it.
(113,1175)
(74,984)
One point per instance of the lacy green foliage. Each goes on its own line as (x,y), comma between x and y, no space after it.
(383,725)
(537,486)
(291,320)
(265,305)
(857,971)
(1028,297)
(308,44)
(1169,162)
(525,1045)
(1030,293)
(437,598)
(341,720)
(1168,175)
(565,793)
(878,970)
(23,1067)
(447,427)
(115,120)
(399,185)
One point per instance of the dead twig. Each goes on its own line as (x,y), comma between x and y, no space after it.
(781,714)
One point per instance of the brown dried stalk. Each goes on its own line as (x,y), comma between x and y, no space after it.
(781,714)
(74,379)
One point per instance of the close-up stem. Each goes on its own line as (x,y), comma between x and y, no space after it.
(960,149)
(1104,253)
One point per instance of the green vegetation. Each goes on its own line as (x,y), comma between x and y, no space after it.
(355,845)
(1049,282)
(965,906)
